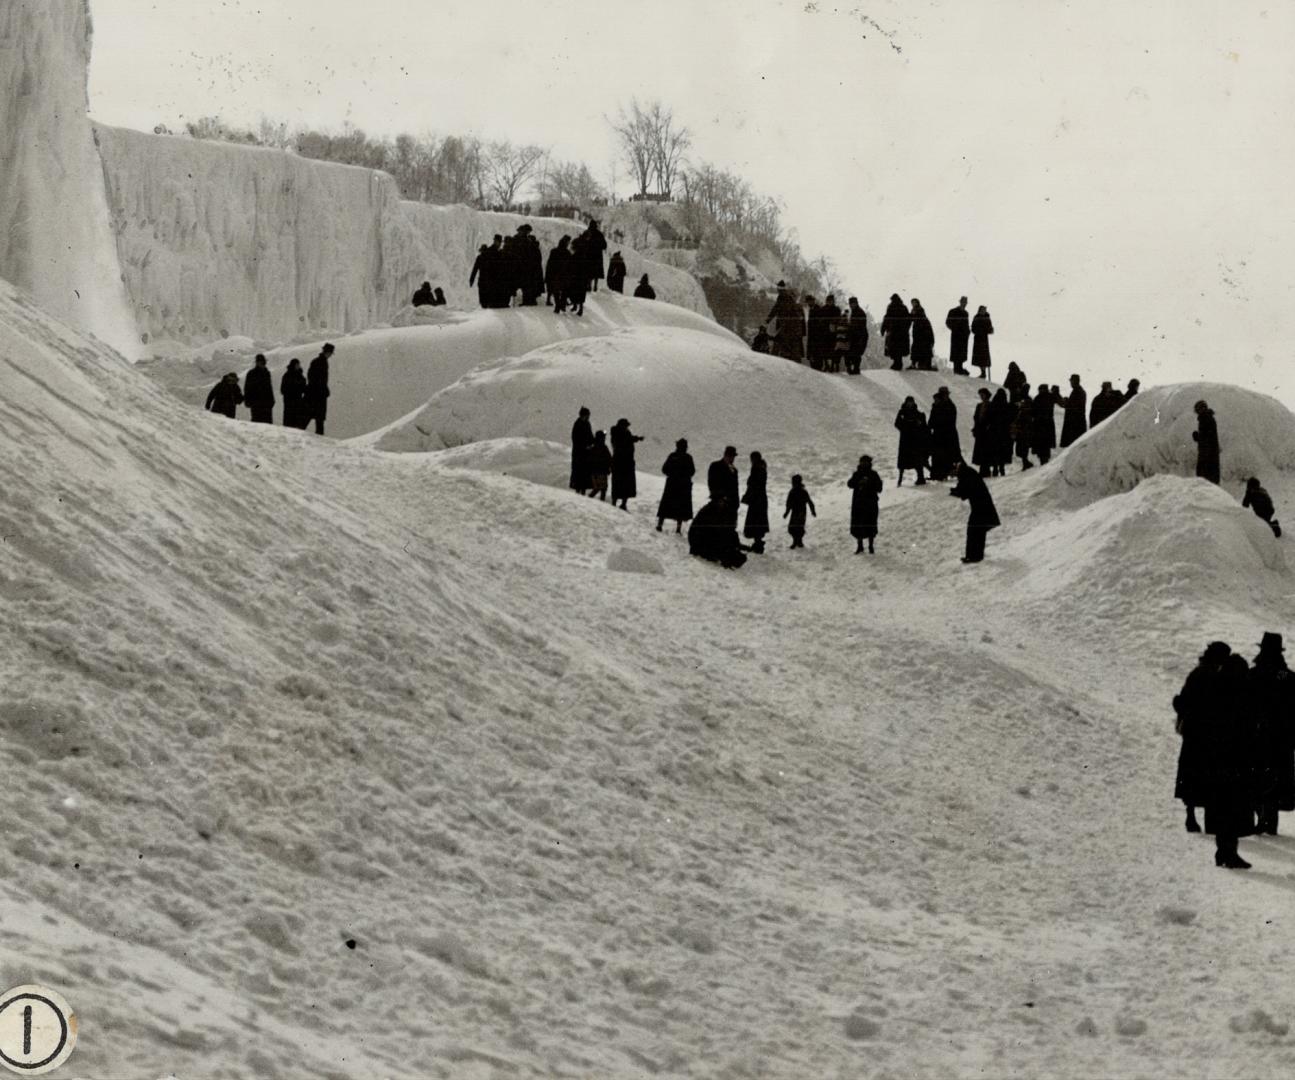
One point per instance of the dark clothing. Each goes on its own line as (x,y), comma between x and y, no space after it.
(790,321)
(864,503)
(972,488)
(423,296)
(1229,756)
(258,395)
(1045,424)
(958,322)
(760,343)
(974,551)
(946,447)
(644,291)
(799,505)
(530,265)
(756,497)
(1272,692)
(676,499)
(292,389)
(858,337)
(911,425)
(582,441)
(712,536)
(557,271)
(981,327)
(1194,707)
(595,245)
(225,398)
(486,272)
(1206,437)
(317,392)
(1105,404)
(624,480)
(923,355)
(894,328)
(1014,383)
(1023,427)
(982,447)
(1073,423)
(1000,431)
(616,273)
(722,482)
(1258,499)
(600,467)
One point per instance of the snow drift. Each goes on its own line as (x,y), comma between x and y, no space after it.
(55,239)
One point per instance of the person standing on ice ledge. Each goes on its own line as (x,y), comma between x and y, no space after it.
(582,441)
(258,392)
(317,392)
(225,396)
(971,487)
(624,478)
(981,327)
(959,326)
(798,501)
(1206,438)
(292,389)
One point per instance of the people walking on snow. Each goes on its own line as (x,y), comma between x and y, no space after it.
(292,390)
(1013,381)
(258,392)
(616,271)
(1106,403)
(923,350)
(713,536)
(624,478)
(594,247)
(557,272)
(1022,429)
(814,343)
(600,466)
(530,265)
(1206,438)
(1273,695)
(946,446)
(798,501)
(910,422)
(676,499)
(575,283)
(756,498)
(317,392)
(1258,499)
(894,329)
(1073,422)
(644,290)
(864,504)
(858,331)
(225,397)
(788,318)
(958,323)
(1194,708)
(1229,784)
(582,441)
(971,487)
(981,327)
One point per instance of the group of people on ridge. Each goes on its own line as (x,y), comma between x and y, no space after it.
(305,394)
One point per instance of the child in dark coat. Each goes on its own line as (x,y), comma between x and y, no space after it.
(600,466)
(798,501)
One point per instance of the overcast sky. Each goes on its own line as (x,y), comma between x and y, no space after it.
(1112,179)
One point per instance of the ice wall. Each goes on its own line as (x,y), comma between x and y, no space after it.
(55,239)
(219,239)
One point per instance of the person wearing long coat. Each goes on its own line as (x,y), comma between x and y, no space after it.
(958,323)
(676,499)
(1105,405)
(946,446)
(600,466)
(1074,420)
(1044,439)
(1229,761)
(317,392)
(864,504)
(787,316)
(557,272)
(616,271)
(1194,707)
(225,397)
(894,329)
(582,441)
(1023,427)
(722,481)
(624,480)
(292,390)
(971,488)
(1000,433)
(923,353)
(1206,438)
(1013,381)
(594,249)
(858,336)
(982,443)
(910,422)
(798,502)
(1273,694)
(981,327)
(643,290)
(531,263)
(258,392)
(756,498)
(577,274)
(815,339)
(1256,497)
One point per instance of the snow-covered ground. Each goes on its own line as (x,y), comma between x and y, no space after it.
(265,695)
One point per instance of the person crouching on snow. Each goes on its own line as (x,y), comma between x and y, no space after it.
(1261,503)
(600,466)
(798,501)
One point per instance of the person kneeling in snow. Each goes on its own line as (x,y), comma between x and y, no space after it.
(712,535)
(971,487)
(1261,503)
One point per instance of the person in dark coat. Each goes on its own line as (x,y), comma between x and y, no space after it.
(1073,423)
(981,327)
(1132,391)
(946,447)
(760,343)
(864,504)
(1000,432)
(1022,430)
(600,466)
(1229,762)
(225,397)
(1206,438)
(971,487)
(894,329)
(922,357)
(787,316)
(982,443)
(616,271)
(815,345)
(317,392)
(292,389)
(1273,693)
(756,498)
(910,422)
(1044,439)
(438,297)
(483,274)
(958,322)
(530,265)
(1105,405)
(722,480)
(1013,381)
(829,315)
(624,478)
(712,536)
(423,296)
(582,441)
(676,499)
(576,284)
(1194,707)
(595,245)
(258,392)
(1258,499)
(798,501)
(557,272)
(858,332)
(643,290)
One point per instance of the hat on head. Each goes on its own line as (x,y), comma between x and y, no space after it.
(1216,651)
(1271,642)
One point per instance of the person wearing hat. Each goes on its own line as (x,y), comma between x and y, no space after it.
(676,499)
(600,466)
(1229,748)
(1194,707)
(864,504)
(756,498)
(798,502)
(858,334)
(894,329)
(946,447)
(923,349)
(1105,405)
(1273,689)
(722,481)
(972,489)
(423,295)
(225,396)
(1132,391)
(258,392)
(981,327)
(1073,422)
(582,441)
(1258,500)
(958,322)
(787,315)
(910,422)
(713,536)
(644,290)
(1206,438)
(624,477)
(317,392)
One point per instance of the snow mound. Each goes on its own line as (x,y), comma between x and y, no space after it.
(1153,435)
(534,460)
(631,561)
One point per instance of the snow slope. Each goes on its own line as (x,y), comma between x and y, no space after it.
(265,695)
(55,239)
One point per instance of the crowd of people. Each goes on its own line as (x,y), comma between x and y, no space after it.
(1237,759)
(305,394)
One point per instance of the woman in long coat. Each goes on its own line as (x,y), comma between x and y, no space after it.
(1074,421)
(676,499)
(1193,708)
(756,497)
(1229,762)
(894,328)
(1000,433)
(556,273)
(864,504)
(1044,439)
(624,481)
(982,452)
(1206,437)
(292,389)
(981,327)
(910,422)
(582,441)
(923,357)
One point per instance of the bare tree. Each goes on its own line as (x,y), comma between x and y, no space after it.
(634,130)
(569,183)
(508,167)
(669,142)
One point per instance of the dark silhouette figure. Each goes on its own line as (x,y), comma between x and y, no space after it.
(600,466)
(292,389)
(644,290)
(864,504)
(1132,391)
(760,343)
(1044,439)
(894,329)
(722,480)
(1013,381)
(1000,432)
(423,295)
(438,297)
(624,479)
(829,316)
(815,345)
(576,284)
(1258,499)
(225,397)
(982,441)
(582,441)
(1073,423)
(1106,404)
(858,335)
(595,245)
(529,264)
(485,273)
(317,392)
(1230,743)
(786,315)
(971,487)
(616,271)
(676,499)
(258,392)
(958,322)
(981,327)
(712,536)
(1194,707)
(1206,437)
(556,274)
(756,498)
(910,422)
(1022,430)
(798,501)
(946,447)
(1273,694)
(923,354)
